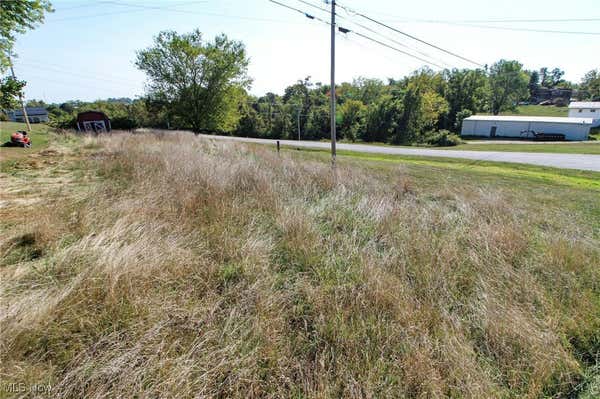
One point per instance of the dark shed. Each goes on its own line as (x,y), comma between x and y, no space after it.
(93,122)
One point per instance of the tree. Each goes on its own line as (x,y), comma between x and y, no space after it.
(202,82)
(551,78)
(36,103)
(382,118)
(362,89)
(465,89)
(300,95)
(556,77)
(534,83)
(460,117)
(589,88)
(508,85)
(17,17)
(9,91)
(352,119)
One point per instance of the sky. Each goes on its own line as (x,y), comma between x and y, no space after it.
(86,50)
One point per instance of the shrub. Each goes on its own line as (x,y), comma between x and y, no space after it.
(560,102)
(65,121)
(460,117)
(3,117)
(442,138)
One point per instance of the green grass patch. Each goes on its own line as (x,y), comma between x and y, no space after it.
(539,110)
(39,134)
(566,148)
(565,177)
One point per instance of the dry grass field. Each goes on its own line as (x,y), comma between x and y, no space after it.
(157,265)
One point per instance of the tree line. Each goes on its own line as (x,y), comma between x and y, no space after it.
(203,85)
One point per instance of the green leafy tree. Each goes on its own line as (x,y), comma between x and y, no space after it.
(551,78)
(250,124)
(17,16)
(508,85)
(460,117)
(352,119)
(302,96)
(10,89)
(534,83)
(36,103)
(201,81)
(589,88)
(318,123)
(465,89)
(382,118)
(362,89)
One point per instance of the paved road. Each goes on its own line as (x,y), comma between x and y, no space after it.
(564,161)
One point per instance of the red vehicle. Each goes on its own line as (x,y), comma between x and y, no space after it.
(19,139)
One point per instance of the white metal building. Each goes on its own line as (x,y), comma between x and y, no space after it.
(584,110)
(515,126)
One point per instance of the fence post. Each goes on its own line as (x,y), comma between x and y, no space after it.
(278,146)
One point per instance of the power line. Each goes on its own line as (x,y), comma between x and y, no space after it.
(409,35)
(68,69)
(487,21)
(307,15)
(562,32)
(394,48)
(121,81)
(343,30)
(395,18)
(70,85)
(143,8)
(378,33)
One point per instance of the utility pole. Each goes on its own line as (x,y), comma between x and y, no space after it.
(332,91)
(299,109)
(25,116)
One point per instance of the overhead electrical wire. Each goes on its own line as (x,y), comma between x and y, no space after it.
(344,30)
(70,69)
(474,23)
(349,10)
(394,48)
(120,81)
(395,18)
(307,15)
(377,33)
(143,8)
(509,28)
(492,21)
(70,84)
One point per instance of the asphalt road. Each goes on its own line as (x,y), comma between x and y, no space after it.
(564,161)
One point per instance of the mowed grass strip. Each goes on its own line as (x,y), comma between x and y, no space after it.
(481,170)
(592,147)
(38,135)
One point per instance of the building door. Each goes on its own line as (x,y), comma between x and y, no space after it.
(493,131)
(94,126)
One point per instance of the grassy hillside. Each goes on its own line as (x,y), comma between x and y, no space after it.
(539,110)
(173,266)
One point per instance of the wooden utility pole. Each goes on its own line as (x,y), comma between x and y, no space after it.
(299,109)
(25,116)
(332,91)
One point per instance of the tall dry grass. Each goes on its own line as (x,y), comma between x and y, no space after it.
(202,269)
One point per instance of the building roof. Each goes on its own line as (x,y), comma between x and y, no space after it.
(583,104)
(31,111)
(548,119)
